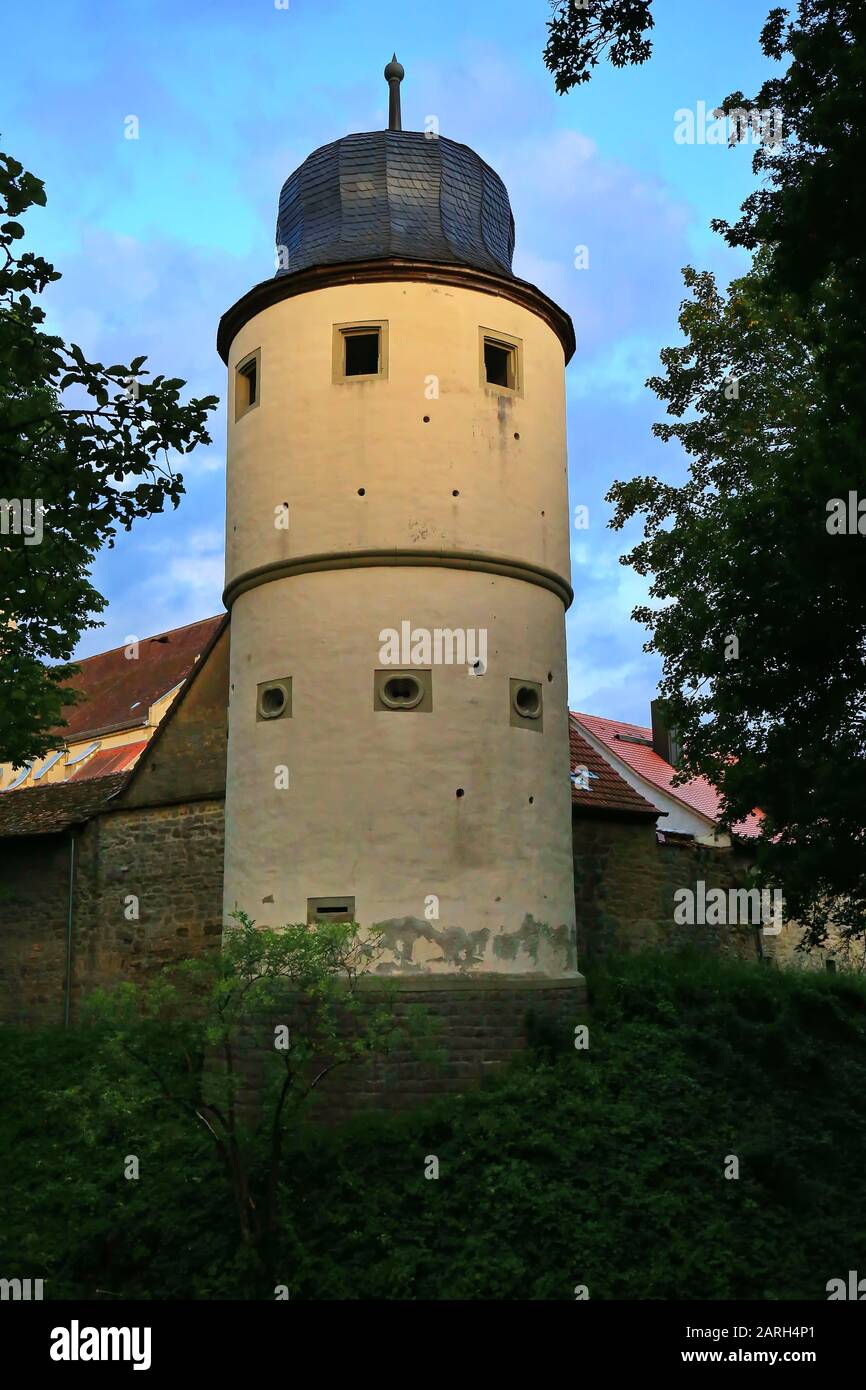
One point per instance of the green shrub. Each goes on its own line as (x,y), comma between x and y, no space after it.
(602,1167)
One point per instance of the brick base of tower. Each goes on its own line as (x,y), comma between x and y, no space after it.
(478,1025)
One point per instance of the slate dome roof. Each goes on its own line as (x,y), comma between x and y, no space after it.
(395,193)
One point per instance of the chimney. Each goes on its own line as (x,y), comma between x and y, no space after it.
(665,740)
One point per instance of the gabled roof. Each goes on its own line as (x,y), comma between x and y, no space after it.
(632,743)
(605,789)
(118,691)
(47,810)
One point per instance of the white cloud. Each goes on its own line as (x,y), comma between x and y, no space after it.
(566,195)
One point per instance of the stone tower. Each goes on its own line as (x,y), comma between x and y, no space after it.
(397,568)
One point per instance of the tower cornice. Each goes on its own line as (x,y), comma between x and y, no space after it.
(505,566)
(281,287)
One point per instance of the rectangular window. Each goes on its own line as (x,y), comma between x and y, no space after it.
(360,351)
(247,384)
(362,354)
(330,910)
(500,363)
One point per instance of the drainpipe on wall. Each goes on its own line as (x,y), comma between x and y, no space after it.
(68,988)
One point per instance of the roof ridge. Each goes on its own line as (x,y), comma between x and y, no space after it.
(167,632)
(620,723)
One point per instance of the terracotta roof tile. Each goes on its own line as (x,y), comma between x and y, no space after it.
(108,760)
(47,810)
(119,691)
(699,794)
(604,789)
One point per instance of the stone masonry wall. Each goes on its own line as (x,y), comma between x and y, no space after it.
(169,858)
(34,897)
(476,1024)
(625,881)
(153,894)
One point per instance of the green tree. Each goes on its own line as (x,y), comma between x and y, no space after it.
(769,402)
(84,449)
(758,610)
(581,32)
(301,1002)
(809,208)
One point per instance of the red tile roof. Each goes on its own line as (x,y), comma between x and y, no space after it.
(47,810)
(119,691)
(108,760)
(605,789)
(698,795)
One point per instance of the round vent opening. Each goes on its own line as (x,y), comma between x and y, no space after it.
(402,692)
(272,701)
(527,702)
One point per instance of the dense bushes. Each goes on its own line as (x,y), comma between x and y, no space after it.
(602,1167)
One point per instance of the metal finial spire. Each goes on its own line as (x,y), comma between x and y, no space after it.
(394,74)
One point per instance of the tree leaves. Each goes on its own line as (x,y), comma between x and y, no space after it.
(76,455)
(580,34)
(766,399)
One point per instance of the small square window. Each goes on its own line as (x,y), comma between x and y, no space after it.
(362,354)
(360,351)
(500,362)
(247,384)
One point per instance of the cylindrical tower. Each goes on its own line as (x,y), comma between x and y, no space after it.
(397,569)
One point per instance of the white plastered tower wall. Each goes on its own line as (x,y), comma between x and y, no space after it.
(377,537)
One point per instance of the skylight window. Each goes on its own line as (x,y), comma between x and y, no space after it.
(49,762)
(22,777)
(83,753)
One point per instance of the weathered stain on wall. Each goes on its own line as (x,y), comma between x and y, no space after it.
(532,944)
(535,939)
(456,947)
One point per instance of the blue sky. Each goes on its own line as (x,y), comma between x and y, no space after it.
(157,237)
